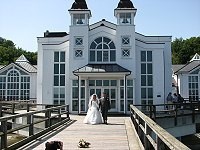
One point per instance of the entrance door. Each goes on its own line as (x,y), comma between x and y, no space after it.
(111,92)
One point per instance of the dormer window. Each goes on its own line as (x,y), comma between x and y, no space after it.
(125,18)
(79,19)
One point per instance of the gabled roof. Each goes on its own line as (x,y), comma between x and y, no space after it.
(22,58)
(105,23)
(195,57)
(101,68)
(189,67)
(175,68)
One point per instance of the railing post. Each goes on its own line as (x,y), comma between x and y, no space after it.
(1,113)
(59,112)
(30,122)
(67,109)
(193,113)
(13,108)
(47,116)
(146,141)
(151,111)
(4,136)
(27,107)
(175,115)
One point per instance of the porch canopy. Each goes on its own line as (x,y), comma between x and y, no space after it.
(106,69)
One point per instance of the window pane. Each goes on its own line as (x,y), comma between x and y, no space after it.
(112,55)
(149,55)
(121,93)
(105,82)
(56,56)
(143,80)
(105,46)
(112,45)
(105,56)
(91,82)
(62,68)
(93,45)
(98,40)
(150,80)
(149,69)
(113,82)
(150,92)
(130,92)
(121,82)
(143,93)
(55,92)
(62,56)
(62,92)
(106,40)
(129,82)
(99,56)
(99,46)
(82,82)
(56,80)
(75,83)
(74,105)
(82,92)
(75,92)
(98,82)
(143,68)
(62,80)
(92,55)
(143,56)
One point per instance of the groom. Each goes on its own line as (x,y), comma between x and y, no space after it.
(105,106)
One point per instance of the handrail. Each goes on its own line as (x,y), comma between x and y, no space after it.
(151,134)
(49,114)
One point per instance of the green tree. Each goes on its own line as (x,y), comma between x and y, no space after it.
(184,50)
(9,53)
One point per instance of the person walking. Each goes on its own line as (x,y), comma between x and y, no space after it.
(104,106)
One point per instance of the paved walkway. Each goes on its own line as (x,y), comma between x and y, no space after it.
(117,135)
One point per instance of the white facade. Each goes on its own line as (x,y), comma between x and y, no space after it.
(187,79)
(130,67)
(18,81)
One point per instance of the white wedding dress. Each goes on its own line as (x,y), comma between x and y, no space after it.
(93,114)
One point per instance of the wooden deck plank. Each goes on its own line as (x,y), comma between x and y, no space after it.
(114,136)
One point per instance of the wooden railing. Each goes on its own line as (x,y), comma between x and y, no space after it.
(177,109)
(151,134)
(58,114)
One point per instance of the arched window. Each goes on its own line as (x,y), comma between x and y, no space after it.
(18,85)
(102,49)
(13,84)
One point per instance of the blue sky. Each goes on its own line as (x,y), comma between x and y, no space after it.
(22,21)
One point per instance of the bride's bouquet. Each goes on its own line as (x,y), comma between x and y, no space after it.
(83,144)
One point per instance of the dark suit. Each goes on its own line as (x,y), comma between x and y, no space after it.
(105,106)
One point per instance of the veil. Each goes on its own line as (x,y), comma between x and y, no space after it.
(91,98)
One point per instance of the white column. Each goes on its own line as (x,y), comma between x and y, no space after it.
(79,94)
(124,94)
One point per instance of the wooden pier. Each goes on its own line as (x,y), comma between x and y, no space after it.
(117,135)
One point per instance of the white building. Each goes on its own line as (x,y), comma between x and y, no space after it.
(18,80)
(187,78)
(132,68)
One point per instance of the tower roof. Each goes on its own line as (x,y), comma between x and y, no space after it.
(79,4)
(125,4)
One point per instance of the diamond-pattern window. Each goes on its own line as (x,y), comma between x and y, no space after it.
(125,52)
(79,41)
(78,53)
(125,41)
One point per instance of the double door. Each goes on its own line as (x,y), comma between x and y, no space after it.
(111,93)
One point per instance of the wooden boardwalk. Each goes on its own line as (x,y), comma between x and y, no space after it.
(117,135)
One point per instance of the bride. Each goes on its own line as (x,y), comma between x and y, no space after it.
(93,114)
